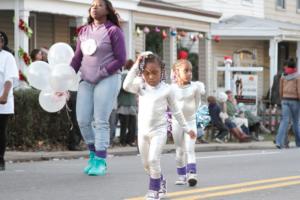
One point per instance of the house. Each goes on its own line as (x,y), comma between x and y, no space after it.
(255,33)
(56,21)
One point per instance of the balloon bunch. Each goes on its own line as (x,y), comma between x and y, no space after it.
(54,79)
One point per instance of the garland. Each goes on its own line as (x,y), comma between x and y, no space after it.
(178,34)
(25,28)
(24,55)
(22,76)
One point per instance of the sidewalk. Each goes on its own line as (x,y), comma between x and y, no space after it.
(17,156)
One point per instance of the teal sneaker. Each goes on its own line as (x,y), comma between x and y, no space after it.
(99,167)
(90,162)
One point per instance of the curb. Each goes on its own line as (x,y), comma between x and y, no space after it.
(128,151)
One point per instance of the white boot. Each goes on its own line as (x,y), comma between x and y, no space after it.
(152,195)
(181,180)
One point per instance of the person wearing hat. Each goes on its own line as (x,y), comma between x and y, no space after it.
(8,75)
(289,90)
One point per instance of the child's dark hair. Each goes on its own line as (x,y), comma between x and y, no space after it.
(112,15)
(152,58)
(4,38)
(33,54)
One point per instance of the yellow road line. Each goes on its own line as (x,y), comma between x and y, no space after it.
(222,187)
(240,190)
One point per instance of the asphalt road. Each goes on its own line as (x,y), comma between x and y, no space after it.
(235,175)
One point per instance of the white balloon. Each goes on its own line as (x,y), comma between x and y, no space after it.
(76,81)
(62,78)
(51,102)
(38,74)
(60,53)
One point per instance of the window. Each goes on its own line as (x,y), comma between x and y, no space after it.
(298,5)
(280,4)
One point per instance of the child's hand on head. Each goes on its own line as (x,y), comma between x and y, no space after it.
(192,134)
(138,60)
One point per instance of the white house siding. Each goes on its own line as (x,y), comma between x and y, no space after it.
(289,14)
(227,7)
(227,48)
(6,25)
(44,30)
(61,29)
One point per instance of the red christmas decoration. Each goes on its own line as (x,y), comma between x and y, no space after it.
(228,59)
(22,77)
(25,56)
(182,54)
(164,35)
(24,27)
(217,38)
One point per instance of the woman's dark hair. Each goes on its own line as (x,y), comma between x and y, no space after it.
(111,16)
(33,54)
(153,58)
(4,38)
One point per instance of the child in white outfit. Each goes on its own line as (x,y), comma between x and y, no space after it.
(188,98)
(154,98)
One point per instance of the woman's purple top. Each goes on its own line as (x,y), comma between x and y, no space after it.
(109,56)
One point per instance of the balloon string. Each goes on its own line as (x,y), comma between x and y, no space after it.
(68,110)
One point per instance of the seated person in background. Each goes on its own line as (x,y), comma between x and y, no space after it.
(222,123)
(36,55)
(233,114)
(253,122)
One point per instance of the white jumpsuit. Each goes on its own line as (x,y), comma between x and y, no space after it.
(152,120)
(188,98)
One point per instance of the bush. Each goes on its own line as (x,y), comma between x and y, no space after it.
(32,128)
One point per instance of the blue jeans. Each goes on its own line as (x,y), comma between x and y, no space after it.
(94,106)
(290,109)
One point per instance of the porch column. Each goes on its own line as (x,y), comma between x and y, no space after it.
(211,70)
(128,29)
(22,37)
(16,31)
(227,76)
(173,48)
(169,53)
(298,56)
(273,53)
